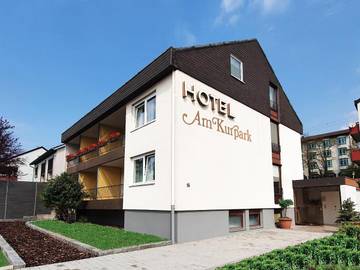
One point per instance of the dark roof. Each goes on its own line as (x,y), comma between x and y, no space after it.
(203,63)
(324,182)
(325,135)
(47,154)
(28,151)
(356,101)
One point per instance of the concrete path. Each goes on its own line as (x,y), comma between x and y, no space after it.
(204,254)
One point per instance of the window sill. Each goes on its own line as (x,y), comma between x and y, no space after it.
(144,125)
(150,183)
(237,79)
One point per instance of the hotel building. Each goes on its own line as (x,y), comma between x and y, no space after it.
(200,143)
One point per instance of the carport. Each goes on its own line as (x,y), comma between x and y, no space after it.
(318,201)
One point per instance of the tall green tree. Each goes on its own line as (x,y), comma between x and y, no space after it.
(347,212)
(64,194)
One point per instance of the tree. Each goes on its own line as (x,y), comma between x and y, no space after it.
(284,204)
(64,194)
(9,149)
(347,212)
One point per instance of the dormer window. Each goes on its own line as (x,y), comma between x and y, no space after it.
(236,68)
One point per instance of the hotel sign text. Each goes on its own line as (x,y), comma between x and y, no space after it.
(215,123)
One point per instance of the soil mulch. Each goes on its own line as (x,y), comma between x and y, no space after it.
(36,248)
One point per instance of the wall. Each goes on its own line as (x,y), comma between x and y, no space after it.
(109,176)
(88,179)
(291,160)
(213,171)
(352,193)
(155,136)
(59,165)
(26,172)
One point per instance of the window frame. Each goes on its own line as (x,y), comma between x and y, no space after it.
(341,159)
(144,158)
(339,142)
(329,163)
(237,213)
(144,102)
(241,79)
(50,172)
(256,212)
(340,150)
(276,97)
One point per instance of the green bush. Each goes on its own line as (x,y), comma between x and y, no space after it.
(340,251)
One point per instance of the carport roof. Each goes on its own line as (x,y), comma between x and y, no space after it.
(325,181)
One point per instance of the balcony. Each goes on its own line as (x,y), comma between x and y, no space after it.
(355,132)
(95,154)
(355,156)
(105,192)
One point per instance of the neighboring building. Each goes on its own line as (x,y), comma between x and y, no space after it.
(202,142)
(49,164)
(327,154)
(25,171)
(355,133)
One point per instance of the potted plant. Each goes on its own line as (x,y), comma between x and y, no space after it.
(284,221)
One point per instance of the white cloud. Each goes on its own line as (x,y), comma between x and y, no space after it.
(271,6)
(184,36)
(229,11)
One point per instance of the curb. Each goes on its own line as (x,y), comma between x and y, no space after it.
(13,258)
(94,250)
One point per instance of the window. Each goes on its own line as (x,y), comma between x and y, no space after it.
(144,169)
(328,163)
(342,151)
(273,98)
(327,153)
(341,140)
(277,183)
(50,167)
(254,218)
(312,145)
(236,220)
(312,155)
(344,162)
(313,166)
(42,172)
(327,143)
(36,171)
(145,111)
(236,68)
(274,137)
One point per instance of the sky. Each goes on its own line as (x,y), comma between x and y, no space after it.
(60,58)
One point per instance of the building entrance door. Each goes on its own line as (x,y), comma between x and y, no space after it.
(331,205)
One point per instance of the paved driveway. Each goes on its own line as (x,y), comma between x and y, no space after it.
(205,254)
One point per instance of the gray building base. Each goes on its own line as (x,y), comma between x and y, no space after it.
(189,225)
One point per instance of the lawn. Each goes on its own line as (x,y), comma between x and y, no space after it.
(101,237)
(3,260)
(337,252)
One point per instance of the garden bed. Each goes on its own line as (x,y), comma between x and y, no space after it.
(36,248)
(98,236)
(3,260)
(339,251)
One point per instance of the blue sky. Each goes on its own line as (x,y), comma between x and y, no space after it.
(60,58)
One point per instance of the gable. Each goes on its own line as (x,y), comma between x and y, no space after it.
(211,65)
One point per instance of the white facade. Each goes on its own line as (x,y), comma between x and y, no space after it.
(59,165)
(25,171)
(198,165)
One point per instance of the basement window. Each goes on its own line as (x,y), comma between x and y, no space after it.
(236,220)
(236,68)
(254,218)
(144,168)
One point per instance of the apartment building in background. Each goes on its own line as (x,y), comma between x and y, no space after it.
(327,154)
(49,164)
(200,143)
(355,134)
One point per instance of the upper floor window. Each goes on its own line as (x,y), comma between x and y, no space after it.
(311,145)
(145,111)
(273,98)
(341,140)
(36,171)
(236,68)
(274,137)
(327,143)
(144,168)
(50,167)
(342,151)
(327,153)
(344,162)
(42,172)
(313,166)
(329,163)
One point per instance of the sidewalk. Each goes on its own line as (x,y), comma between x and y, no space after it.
(205,254)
